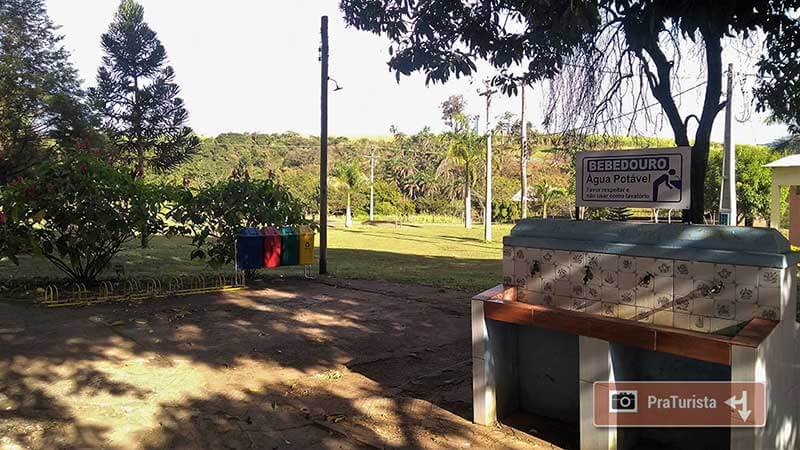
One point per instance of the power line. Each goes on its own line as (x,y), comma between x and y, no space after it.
(621,116)
(614,72)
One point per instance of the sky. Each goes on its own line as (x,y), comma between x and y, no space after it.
(252,66)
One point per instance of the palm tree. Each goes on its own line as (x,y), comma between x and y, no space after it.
(544,193)
(350,177)
(465,152)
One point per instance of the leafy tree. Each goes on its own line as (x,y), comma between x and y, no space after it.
(778,86)
(436,205)
(40,98)
(505,211)
(412,165)
(609,50)
(304,187)
(464,155)
(452,108)
(214,215)
(12,239)
(78,212)
(505,188)
(390,201)
(350,178)
(789,145)
(544,193)
(137,97)
(753,181)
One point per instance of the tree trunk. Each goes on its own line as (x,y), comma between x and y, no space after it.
(468,205)
(660,86)
(137,126)
(348,219)
(711,107)
(544,210)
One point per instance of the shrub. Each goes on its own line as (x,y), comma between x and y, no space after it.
(389,201)
(214,215)
(505,211)
(438,205)
(77,212)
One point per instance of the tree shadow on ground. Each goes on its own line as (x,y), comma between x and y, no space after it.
(299,364)
(469,274)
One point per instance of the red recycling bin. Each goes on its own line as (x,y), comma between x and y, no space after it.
(272,247)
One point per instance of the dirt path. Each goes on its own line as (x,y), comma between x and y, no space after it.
(296,364)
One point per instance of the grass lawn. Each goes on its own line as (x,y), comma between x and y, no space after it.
(437,255)
(432,254)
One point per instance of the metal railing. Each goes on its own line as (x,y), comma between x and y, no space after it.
(140,289)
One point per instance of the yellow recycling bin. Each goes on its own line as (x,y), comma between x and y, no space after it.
(306,245)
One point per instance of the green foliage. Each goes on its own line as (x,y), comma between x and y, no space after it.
(337,199)
(390,201)
(437,205)
(618,214)
(77,212)
(303,184)
(40,96)
(544,194)
(12,239)
(349,175)
(454,107)
(753,181)
(413,163)
(464,153)
(504,188)
(137,97)
(778,88)
(789,145)
(444,38)
(349,179)
(213,216)
(505,211)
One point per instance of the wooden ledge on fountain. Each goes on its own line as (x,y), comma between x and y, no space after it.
(500,304)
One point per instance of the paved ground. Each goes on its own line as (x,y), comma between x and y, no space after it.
(296,364)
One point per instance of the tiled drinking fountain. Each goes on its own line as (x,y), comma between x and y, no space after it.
(587,301)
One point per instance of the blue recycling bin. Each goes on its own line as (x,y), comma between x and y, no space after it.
(250,249)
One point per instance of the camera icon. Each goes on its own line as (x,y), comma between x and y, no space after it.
(623,401)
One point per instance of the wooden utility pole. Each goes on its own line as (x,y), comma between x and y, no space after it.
(487,210)
(323,151)
(523,160)
(727,193)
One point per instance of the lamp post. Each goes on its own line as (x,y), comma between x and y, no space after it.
(323,146)
(323,151)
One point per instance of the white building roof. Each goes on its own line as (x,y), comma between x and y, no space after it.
(787,161)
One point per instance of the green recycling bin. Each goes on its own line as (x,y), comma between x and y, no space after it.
(290,246)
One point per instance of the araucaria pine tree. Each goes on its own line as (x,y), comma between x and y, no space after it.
(137,97)
(41,106)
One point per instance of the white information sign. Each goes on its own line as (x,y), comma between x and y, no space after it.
(642,178)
